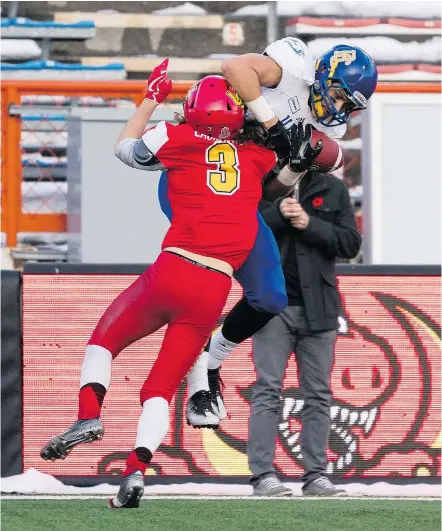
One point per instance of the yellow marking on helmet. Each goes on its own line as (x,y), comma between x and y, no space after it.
(235,97)
(319,108)
(341,56)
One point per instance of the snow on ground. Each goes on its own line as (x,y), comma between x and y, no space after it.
(37,483)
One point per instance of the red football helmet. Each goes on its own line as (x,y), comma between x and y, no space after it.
(213,108)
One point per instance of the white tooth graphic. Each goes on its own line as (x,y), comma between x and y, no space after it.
(370,420)
(334,411)
(283,425)
(288,404)
(297,448)
(363,418)
(286,433)
(344,434)
(299,404)
(344,414)
(353,417)
(333,426)
(352,446)
(348,458)
(340,463)
(338,430)
(293,438)
(348,439)
(330,468)
(300,455)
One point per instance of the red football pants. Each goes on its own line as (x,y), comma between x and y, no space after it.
(187,297)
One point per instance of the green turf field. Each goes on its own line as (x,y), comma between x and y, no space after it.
(222,515)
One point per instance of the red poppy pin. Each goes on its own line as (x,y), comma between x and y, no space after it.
(317,201)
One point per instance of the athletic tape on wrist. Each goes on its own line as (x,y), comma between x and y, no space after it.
(260,109)
(287,177)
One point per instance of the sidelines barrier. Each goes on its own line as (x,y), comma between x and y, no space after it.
(34,135)
(39,109)
(11,374)
(386,382)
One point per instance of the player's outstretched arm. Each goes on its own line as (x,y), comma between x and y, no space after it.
(136,124)
(247,74)
(158,88)
(130,148)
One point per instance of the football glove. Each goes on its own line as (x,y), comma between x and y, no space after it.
(159,86)
(302,153)
(278,140)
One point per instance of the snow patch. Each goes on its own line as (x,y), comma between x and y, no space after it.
(34,482)
(183,9)
(19,49)
(348,9)
(384,48)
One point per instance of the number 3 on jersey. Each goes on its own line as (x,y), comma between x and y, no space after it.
(225,179)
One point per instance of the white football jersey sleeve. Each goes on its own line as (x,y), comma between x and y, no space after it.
(294,58)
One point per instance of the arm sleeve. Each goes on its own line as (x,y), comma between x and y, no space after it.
(134,153)
(338,239)
(294,58)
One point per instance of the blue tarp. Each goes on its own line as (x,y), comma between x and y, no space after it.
(49,117)
(41,164)
(21,22)
(54,65)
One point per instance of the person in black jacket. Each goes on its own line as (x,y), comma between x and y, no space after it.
(312,231)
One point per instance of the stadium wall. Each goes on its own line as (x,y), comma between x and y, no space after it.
(11,375)
(386,383)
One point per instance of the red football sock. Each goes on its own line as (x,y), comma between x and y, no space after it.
(90,400)
(138,459)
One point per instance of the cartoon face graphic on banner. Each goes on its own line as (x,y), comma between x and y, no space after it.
(386,381)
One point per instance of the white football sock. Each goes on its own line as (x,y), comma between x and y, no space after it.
(220,348)
(153,424)
(97,366)
(197,379)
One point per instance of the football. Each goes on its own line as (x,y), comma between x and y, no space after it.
(331,157)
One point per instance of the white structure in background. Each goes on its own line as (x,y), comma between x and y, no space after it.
(402,190)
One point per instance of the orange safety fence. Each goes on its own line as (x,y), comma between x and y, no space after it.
(33,152)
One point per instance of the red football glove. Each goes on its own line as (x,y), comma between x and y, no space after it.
(159,86)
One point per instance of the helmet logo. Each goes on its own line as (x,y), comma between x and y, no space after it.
(235,97)
(225,133)
(342,56)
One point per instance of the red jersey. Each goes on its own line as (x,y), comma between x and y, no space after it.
(214,190)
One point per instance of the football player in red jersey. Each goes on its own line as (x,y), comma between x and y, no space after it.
(215,184)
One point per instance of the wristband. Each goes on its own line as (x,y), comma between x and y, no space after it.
(287,177)
(260,109)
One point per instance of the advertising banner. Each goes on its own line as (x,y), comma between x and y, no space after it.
(386,381)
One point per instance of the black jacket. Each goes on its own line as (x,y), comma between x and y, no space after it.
(332,232)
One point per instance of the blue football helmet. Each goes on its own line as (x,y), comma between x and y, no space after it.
(342,67)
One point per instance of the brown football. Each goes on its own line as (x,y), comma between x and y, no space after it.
(331,157)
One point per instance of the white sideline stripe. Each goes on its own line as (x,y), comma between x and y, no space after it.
(185,497)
